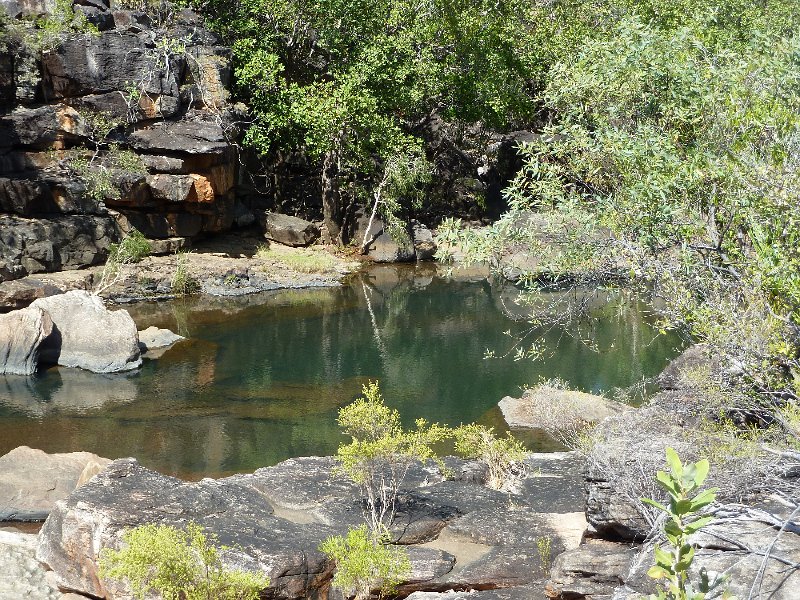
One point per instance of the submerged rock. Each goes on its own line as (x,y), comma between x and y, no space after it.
(88,335)
(154,338)
(32,481)
(21,335)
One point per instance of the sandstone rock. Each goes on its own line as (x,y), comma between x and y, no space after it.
(595,569)
(21,335)
(202,137)
(289,230)
(31,481)
(546,407)
(21,576)
(81,66)
(20,293)
(89,336)
(684,371)
(126,495)
(153,338)
(382,247)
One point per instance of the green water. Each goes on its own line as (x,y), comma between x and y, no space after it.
(260,378)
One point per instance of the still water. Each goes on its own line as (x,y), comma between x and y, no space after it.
(260,378)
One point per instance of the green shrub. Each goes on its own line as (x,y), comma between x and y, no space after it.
(132,249)
(503,455)
(682,483)
(365,563)
(381,452)
(183,283)
(178,565)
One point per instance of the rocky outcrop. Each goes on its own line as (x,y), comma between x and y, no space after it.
(21,336)
(32,481)
(753,539)
(459,534)
(88,335)
(165,110)
(288,230)
(416,243)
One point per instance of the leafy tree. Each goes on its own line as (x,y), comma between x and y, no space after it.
(347,83)
(178,565)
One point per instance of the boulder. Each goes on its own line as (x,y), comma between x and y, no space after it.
(424,244)
(126,495)
(154,338)
(288,230)
(550,408)
(381,246)
(21,575)
(691,366)
(21,335)
(32,481)
(88,335)
(20,293)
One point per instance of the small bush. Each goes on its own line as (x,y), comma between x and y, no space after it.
(365,563)
(132,249)
(183,283)
(177,564)
(503,455)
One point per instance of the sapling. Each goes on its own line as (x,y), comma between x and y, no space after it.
(683,512)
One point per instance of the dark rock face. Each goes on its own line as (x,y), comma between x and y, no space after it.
(285,229)
(460,535)
(53,243)
(169,106)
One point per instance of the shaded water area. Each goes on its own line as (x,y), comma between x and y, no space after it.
(261,377)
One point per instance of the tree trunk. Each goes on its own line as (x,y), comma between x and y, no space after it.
(331,198)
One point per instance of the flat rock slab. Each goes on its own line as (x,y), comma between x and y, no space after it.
(154,338)
(289,230)
(19,293)
(32,481)
(277,517)
(21,335)
(88,335)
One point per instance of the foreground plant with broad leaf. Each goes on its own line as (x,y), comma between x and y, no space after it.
(684,518)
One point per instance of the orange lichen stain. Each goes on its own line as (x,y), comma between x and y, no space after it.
(202,191)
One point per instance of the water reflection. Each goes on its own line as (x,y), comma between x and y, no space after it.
(260,378)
